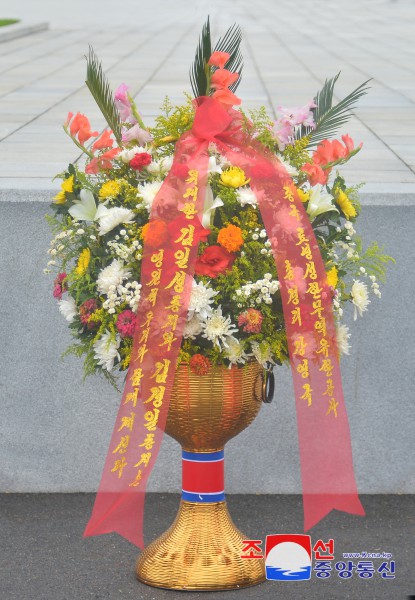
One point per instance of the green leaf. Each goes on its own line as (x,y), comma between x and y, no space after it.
(100,89)
(200,72)
(329,118)
(230,43)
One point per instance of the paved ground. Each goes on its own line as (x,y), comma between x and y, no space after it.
(44,557)
(288,54)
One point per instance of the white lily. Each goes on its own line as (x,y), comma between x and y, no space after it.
(320,202)
(211,204)
(86,209)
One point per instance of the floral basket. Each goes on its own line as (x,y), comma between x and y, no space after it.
(215,237)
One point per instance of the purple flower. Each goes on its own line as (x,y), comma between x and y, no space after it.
(136,133)
(123,103)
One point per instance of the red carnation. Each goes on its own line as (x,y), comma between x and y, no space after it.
(199,364)
(126,323)
(86,310)
(140,160)
(214,261)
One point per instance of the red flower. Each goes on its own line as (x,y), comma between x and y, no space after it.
(86,309)
(126,323)
(140,160)
(214,261)
(105,141)
(59,286)
(199,364)
(315,173)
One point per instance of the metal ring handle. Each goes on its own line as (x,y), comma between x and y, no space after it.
(268,385)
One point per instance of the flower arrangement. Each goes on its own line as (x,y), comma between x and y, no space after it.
(101,222)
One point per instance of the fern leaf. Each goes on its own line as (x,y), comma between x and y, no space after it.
(99,87)
(329,118)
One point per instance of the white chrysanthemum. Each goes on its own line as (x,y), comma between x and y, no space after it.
(320,202)
(289,168)
(112,217)
(158,167)
(148,192)
(218,328)
(192,328)
(246,196)
(360,297)
(262,353)
(67,308)
(106,350)
(128,153)
(112,276)
(201,298)
(235,352)
(342,336)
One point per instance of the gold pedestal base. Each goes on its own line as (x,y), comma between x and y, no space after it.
(201,551)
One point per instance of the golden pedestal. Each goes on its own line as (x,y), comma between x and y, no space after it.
(202,549)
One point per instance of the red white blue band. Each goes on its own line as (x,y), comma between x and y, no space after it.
(203,476)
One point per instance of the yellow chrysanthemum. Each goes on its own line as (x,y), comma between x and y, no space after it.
(304,196)
(234,177)
(83,261)
(109,190)
(66,188)
(347,208)
(332,277)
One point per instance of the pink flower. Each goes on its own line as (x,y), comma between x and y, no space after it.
(59,286)
(126,323)
(137,133)
(123,103)
(300,115)
(219,59)
(284,132)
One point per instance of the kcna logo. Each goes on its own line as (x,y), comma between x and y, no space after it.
(288,557)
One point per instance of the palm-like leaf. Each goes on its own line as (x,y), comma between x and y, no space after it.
(198,74)
(100,89)
(329,118)
(230,43)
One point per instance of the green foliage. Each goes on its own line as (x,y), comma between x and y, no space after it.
(373,259)
(329,118)
(200,71)
(172,123)
(99,87)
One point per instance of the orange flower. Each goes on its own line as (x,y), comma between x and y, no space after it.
(199,364)
(219,59)
(104,141)
(226,97)
(315,173)
(155,233)
(81,127)
(222,78)
(230,238)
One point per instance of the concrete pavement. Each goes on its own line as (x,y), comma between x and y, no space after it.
(288,53)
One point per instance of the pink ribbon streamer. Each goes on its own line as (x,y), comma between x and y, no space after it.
(324,438)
